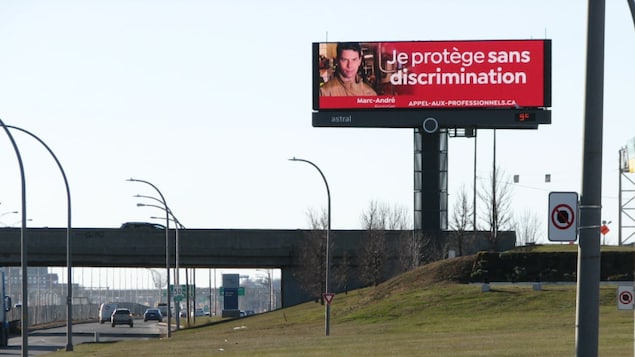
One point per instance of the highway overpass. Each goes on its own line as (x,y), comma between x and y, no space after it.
(198,248)
(212,248)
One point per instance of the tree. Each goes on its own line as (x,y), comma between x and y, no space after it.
(311,257)
(340,273)
(159,279)
(410,250)
(374,221)
(527,226)
(460,220)
(496,196)
(432,248)
(378,218)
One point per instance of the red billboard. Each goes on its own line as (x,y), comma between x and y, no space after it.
(432,74)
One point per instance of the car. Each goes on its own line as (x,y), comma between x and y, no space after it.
(198,312)
(105,311)
(121,316)
(141,225)
(152,314)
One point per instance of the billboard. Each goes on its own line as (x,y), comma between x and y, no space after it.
(627,157)
(415,75)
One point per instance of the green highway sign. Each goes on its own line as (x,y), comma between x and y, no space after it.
(179,292)
(241,291)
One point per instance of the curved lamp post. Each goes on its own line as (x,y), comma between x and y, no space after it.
(6,213)
(167,249)
(69,289)
(69,298)
(23,247)
(327,314)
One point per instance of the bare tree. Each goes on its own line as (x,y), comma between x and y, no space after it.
(374,221)
(410,245)
(527,226)
(158,278)
(378,218)
(460,220)
(432,248)
(398,218)
(496,196)
(340,273)
(311,257)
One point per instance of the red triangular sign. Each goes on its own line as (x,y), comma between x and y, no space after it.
(328,297)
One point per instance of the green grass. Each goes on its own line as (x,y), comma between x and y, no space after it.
(413,314)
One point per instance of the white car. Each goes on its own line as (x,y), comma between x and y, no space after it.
(199,312)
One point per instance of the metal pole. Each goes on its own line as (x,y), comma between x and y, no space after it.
(69,289)
(177,307)
(631,6)
(23,247)
(167,251)
(327,314)
(588,295)
(270,290)
(494,207)
(474,191)
(619,197)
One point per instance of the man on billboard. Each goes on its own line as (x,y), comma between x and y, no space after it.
(346,80)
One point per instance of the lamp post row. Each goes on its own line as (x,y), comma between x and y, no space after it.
(24,256)
(177,226)
(23,248)
(167,249)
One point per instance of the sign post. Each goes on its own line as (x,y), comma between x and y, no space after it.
(563,216)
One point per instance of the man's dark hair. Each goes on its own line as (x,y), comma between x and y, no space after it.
(355,46)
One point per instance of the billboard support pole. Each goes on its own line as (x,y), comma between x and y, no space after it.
(588,286)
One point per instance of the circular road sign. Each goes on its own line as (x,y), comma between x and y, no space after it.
(626,297)
(562,216)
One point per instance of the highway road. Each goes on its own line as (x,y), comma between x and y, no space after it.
(53,339)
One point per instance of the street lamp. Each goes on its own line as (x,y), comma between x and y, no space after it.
(167,249)
(6,213)
(327,314)
(69,289)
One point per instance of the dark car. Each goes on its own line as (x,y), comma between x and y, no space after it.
(141,225)
(121,316)
(152,314)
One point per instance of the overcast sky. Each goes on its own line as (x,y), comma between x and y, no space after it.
(208,100)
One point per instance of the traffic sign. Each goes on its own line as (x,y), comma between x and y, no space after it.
(180,291)
(604,229)
(328,297)
(563,216)
(625,297)
(240,290)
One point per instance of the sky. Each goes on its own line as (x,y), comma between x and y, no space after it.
(208,100)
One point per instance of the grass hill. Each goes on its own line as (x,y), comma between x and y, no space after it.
(425,312)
